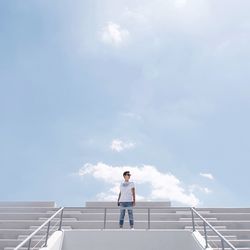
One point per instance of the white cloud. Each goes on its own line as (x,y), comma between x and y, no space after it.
(207,175)
(205,190)
(162,186)
(119,145)
(113,34)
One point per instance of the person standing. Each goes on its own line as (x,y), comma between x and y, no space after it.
(126,199)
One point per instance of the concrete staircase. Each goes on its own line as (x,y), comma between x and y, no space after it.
(233,223)
(19,219)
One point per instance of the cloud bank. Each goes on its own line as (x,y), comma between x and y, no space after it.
(161,185)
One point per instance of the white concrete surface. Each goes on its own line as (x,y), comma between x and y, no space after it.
(27,204)
(128,239)
(55,241)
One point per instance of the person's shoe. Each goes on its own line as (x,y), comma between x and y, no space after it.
(132,228)
(121,227)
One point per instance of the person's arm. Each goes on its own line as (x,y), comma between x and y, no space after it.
(133,194)
(118,201)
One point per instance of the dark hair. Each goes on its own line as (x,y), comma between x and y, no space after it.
(125,173)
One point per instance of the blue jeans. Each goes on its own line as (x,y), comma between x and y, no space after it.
(123,206)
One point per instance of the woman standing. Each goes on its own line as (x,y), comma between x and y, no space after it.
(126,199)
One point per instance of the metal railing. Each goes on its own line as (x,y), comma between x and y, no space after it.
(148,209)
(148,213)
(46,223)
(194,213)
(206,224)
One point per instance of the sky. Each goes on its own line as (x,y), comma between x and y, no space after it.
(91,88)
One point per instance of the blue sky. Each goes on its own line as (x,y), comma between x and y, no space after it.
(90,88)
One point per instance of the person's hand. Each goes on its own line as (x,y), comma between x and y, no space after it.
(133,203)
(118,203)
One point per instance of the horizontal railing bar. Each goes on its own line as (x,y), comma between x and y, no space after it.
(101,208)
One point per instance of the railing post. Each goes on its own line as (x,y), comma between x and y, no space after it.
(222,244)
(29,244)
(205,233)
(61,218)
(193,224)
(149,218)
(105,215)
(47,235)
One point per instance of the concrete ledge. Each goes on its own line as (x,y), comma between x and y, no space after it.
(27,204)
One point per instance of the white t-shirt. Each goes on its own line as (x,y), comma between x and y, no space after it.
(126,191)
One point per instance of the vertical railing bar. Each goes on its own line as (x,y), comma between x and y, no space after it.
(148,218)
(29,243)
(222,244)
(61,218)
(205,233)
(105,215)
(47,235)
(193,223)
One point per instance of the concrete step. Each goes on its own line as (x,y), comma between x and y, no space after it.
(188,212)
(21,248)
(27,204)
(37,236)
(14,242)
(238,248)
(232,224)
(201,228)
(197,219)
(235,243)
(65,227)
(240,233)
(138,204)
(14,233)
(26,209)
(18,224)
(227,248)
(58,219)
(65,212)
(216,237)
(225,210)
(231,216)
(22,216)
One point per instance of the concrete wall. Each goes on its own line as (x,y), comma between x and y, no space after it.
(128,239)
(55,241)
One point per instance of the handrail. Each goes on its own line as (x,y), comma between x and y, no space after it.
(141,207)
(223,239)
(29,238)
(105,208)
(205,222)
(193,211)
